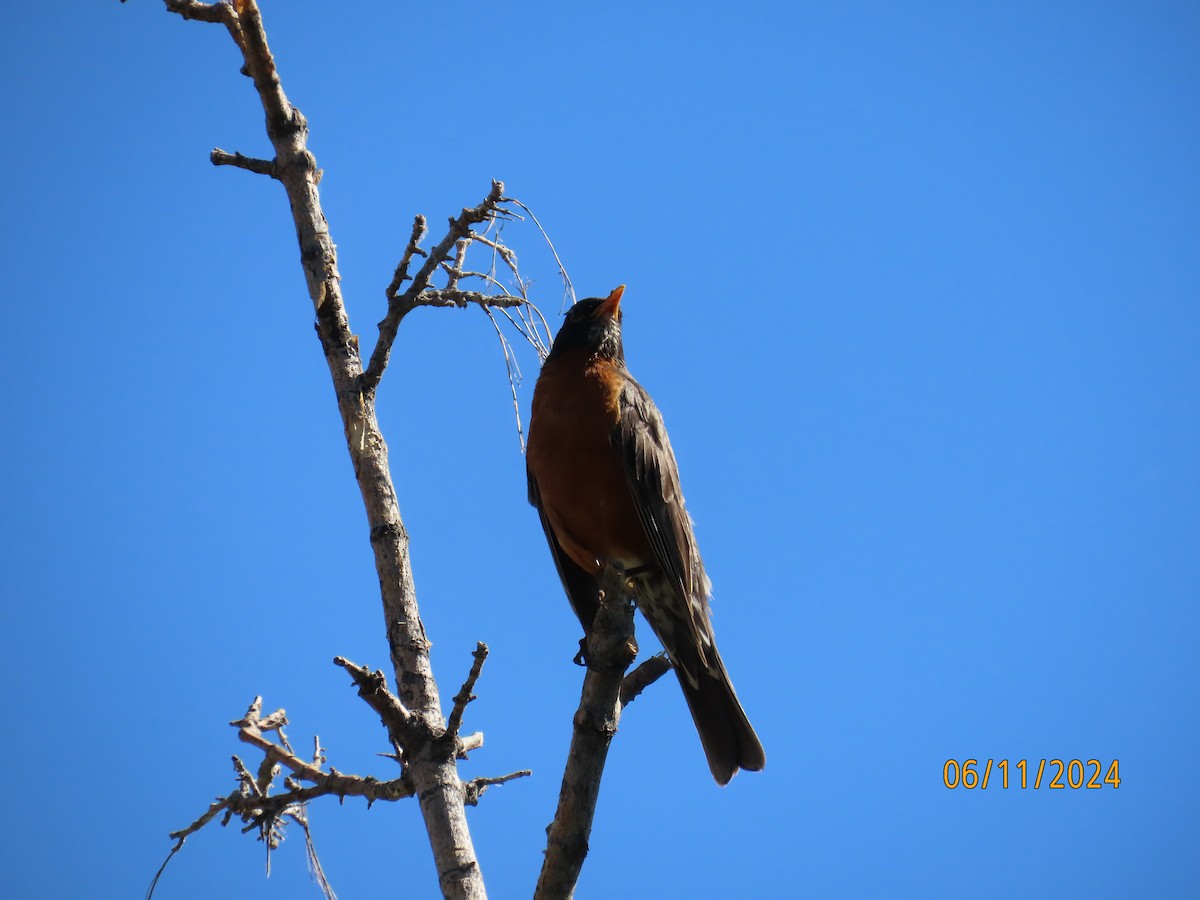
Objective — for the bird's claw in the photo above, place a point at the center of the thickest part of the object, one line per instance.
(581, 658)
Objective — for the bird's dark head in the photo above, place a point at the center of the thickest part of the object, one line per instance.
(593, 325)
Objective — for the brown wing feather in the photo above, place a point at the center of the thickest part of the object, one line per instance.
(677, 595)
(653, 477)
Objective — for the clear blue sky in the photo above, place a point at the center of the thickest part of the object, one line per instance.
(917, 288)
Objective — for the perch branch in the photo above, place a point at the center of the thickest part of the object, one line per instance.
(611, 649)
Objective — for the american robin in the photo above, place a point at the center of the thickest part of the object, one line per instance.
(606, 485)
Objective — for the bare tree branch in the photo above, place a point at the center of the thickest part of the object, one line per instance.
(455, 269)
(403, 728)
(461, 299)
(610, 649)
(464, 696)
(424, 743)
(430, 769)
(419, 230)
(252, 730)
(469, 743)
(476, 786)
(648, 672)
(202, 12)
(252, 800)
(401, 305)
(261, 166)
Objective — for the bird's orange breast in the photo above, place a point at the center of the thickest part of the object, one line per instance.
(579, 473)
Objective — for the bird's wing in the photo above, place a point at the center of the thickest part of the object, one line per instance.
(580, 586)
(653, 477)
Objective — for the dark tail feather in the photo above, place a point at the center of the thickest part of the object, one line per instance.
(728, 738)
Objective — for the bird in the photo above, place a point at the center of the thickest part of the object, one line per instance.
(605, 482)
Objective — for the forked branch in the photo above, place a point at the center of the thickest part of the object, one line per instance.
(448, 255)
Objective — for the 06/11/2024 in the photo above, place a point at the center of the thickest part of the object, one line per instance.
(1055, 774)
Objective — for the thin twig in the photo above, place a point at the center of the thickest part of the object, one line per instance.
(506, 253)
(528, 329)
(475, 787)
(485, 277)
(568, 287)
(465, 695)
(514, 374)
(217, 806)
(178, 846)
(419, 230)
(314, 861)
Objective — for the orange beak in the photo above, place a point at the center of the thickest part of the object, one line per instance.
(610, 304)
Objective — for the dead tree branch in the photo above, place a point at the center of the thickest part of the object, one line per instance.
(464, 696)
(449, 258)
(476, 786)
(419, 230)
(610, 650)
(461, 299)
(401, 304)
(430, 764)
(259, 166)
(253, 729)
(424, 743)
(267, 813)
(403, 727)
(202, 12)
(648, 672)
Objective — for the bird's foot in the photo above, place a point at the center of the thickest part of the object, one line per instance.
(581, 658)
